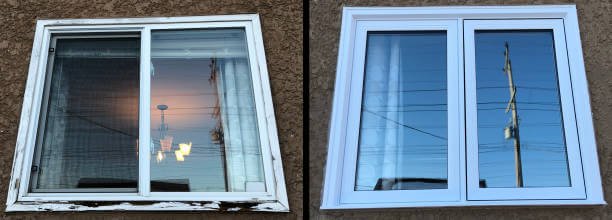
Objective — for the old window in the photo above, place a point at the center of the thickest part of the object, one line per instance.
(453, 106)
(173, 109)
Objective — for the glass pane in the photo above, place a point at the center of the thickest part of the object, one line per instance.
(403, 131)
(203, 118)
(520, 137)
(88, 130)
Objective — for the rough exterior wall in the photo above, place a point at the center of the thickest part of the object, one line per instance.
(595, 27)
(282, 33)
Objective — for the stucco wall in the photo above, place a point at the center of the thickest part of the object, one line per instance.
(595, 19)
(282, 33)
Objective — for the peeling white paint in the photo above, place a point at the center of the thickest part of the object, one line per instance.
(271, 207)
(128, 206)
(161, 206)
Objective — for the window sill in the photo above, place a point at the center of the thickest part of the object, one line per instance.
(542, 203)
(64, 206)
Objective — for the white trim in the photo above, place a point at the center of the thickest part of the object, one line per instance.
(144, 113)
(582, 109)
(153, 196)
(552, 203)
(273, 199)
(270, 120)
(35, 107)
(43, 116)
(348, 47)
(149, 20)
(28, 101)
(461, 98)
(260, 112)
(261, 206)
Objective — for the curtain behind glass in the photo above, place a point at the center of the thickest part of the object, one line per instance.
(403, 130)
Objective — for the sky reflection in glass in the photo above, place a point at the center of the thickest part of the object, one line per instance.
(540, 123)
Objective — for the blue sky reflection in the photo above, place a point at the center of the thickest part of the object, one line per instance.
(542, 141)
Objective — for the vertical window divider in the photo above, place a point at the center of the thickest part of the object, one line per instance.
(461, 99)
(144, 120)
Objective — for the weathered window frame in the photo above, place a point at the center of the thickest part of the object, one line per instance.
(274, 199)
(339, 151)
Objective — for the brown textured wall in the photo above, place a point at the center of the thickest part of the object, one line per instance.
(595, 18)
(282, 32)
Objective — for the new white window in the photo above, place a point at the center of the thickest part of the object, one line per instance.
(461, 106)
(173, 113)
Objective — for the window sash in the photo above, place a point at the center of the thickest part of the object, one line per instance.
(348, 192)
(576, 190)
(274, 180)
(43, 116)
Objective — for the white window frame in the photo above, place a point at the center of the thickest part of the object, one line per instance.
(349, 194)
(274, 199)
(576, 190)
(342, 138)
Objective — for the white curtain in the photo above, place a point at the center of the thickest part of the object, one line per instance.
(380, 129)
(239, 120)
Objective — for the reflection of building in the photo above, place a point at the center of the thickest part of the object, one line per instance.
(410, 183)
(415, 183)
(216, 134)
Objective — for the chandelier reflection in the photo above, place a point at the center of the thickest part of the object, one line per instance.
(166, 141)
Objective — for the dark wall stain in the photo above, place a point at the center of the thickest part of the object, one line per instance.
(595, 20)
(282, 33)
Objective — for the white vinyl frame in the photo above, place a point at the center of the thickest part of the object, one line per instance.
(274, 199)
(340, 158)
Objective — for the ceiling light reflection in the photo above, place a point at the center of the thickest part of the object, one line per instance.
(185, 148)
(179, 155)
(160, 156)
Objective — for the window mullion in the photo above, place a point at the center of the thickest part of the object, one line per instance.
(144, 177)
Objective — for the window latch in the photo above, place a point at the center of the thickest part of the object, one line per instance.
(34, 169)
(51, 49)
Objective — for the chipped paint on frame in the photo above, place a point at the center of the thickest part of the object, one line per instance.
(274, 200)
(270, 206)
